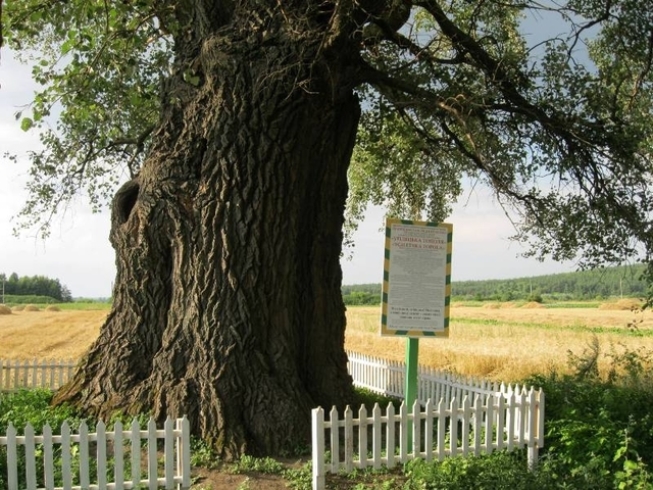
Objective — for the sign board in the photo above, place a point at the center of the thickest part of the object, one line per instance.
(416, 279)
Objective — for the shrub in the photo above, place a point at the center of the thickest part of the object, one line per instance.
(599, 430)
(29, 298)
(535, 298)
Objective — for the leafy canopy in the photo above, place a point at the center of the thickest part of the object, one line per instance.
(559, 128)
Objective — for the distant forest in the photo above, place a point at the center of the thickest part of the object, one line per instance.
(582, 285)
(34, 286)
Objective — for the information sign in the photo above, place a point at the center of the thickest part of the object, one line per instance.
(416, 279)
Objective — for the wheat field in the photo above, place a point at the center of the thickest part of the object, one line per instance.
(504, 344)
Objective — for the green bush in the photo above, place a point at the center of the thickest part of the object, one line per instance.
(498, 471)
(599, 429)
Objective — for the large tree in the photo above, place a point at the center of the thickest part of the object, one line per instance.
(235, 122)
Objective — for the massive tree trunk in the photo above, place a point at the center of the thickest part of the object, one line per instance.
(227, 304)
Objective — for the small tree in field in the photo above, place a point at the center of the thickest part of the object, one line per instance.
(236, 121)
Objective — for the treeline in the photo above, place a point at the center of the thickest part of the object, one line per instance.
(35, 286)
(362, 294)
(581, 285)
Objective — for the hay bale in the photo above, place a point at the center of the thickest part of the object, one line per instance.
(622, 305)
(18, 308)
(5, 310)
(492, 306)
(52, 308)
(508, 305)
(32, 308)
(532, 305)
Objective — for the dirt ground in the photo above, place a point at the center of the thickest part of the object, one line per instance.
(223, 480)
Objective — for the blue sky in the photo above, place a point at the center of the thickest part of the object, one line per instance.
(79, 255)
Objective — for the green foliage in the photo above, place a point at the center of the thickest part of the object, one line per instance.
(203, 454)
(33, 406)
(299, 478)
(360, 298)
(498, 471)
(11, 299)
(599, 429)
(370, 398)
(259, 465)
(105, 93)
(579, 285)
(564, 287)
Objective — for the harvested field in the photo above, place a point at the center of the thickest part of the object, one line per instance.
(48, 335)
(498, 343)
(507, 344)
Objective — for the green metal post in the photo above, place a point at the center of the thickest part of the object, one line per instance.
(412, 352)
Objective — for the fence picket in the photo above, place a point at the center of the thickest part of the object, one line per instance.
(118, 455)
(151, 455)
(101, 465)
(428, 430)
(362, 436)
(335, 439)
(317, 421)
(48, 458)
(349, 439)
(390, 436)
(466, 417)
(135, 440)
(376, 436)
(83, 455)
(488, 424)
(478, 418)
(442, 429)
(12, 458)
(66, 471)
(417, 425)
(453, 427)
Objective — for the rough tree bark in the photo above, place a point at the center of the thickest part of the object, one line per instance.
(227, 304)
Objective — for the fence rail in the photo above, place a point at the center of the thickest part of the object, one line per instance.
(34, 374)
(87, 459)
(438, 430)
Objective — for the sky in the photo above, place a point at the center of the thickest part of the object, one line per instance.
(78, 252)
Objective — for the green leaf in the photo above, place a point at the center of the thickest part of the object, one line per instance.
(26, 124)
(189, 77)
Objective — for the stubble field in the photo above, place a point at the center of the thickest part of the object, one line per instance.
(504, 344)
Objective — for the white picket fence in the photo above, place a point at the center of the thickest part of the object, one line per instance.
(34, 374)
(84, 454)
(440, 429)
(388, 378)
